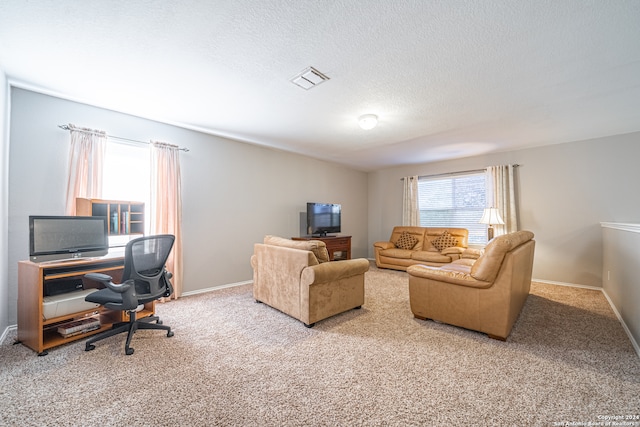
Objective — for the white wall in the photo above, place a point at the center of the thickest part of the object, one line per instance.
(4, 179)
(621, 281)
(233, 193)
(565, 191)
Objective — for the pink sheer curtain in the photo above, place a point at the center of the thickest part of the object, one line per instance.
(166, 204)
(86, 159)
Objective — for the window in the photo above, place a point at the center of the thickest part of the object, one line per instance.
(127, 176)
(454, 201)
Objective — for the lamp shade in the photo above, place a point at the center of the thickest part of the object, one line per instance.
(491, 216)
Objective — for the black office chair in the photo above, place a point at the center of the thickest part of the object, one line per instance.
(144, 279)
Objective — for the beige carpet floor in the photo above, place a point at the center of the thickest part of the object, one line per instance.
(233, 362)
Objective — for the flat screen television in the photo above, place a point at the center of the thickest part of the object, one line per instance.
(323, 218)
(67, 237)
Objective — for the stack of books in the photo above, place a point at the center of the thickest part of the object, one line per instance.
(80, 326)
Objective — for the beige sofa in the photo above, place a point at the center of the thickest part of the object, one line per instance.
(431, 247)
(297, 278)
(485, 295)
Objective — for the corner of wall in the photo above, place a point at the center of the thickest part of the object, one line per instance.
(4, 198)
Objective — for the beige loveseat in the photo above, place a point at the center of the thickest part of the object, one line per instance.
(297, 278)
(485, 295)
(430, 246)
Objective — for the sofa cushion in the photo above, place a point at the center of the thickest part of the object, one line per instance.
(318, 247)
(397, 253)
(406, 241)
(430, 256)
(446, 240)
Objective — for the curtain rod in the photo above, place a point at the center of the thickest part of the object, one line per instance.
(66, 127)
(455, 173)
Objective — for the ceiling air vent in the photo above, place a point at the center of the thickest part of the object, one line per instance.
(309, 78)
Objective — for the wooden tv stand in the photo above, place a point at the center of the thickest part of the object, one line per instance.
(340, 244)
(40, 334)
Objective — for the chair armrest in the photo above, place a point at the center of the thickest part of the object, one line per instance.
(334, 270)
(447, 276)
(384, 245)
(106, 280)
(99, 277)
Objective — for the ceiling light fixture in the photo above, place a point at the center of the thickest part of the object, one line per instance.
(368, 121)
(309, 78)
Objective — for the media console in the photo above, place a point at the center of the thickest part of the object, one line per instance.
(40, 333)
(339, 247)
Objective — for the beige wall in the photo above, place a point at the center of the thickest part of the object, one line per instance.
(565, 191)
(233, 193)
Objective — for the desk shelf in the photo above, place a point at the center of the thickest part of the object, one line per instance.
(125, 217)
(41, 334)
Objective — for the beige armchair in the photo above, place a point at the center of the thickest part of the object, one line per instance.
(297, 278)
(484, 295)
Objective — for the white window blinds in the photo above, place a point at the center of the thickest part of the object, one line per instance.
(454, 201)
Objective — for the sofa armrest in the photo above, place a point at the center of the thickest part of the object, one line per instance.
(453, 250)
(447, 276)
(384, 245)
(334, 270)
(472, 253)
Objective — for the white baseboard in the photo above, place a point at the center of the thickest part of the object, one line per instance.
(571, 285)
(215, 288)
(634, 343)
(6, 332)
(624, 325)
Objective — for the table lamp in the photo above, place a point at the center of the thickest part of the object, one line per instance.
(491, 216)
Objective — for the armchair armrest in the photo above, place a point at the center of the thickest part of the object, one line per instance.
(447, 276)
(384, 245)
(334, 270)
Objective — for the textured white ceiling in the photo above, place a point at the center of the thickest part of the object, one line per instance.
(447, 79)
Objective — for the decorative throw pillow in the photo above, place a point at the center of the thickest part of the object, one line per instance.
(445, 240)
(320, 251)
(406, 241)
(318, 247)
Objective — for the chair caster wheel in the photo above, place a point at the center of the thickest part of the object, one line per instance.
(169, 334)
(128, 351)
(89, 347)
